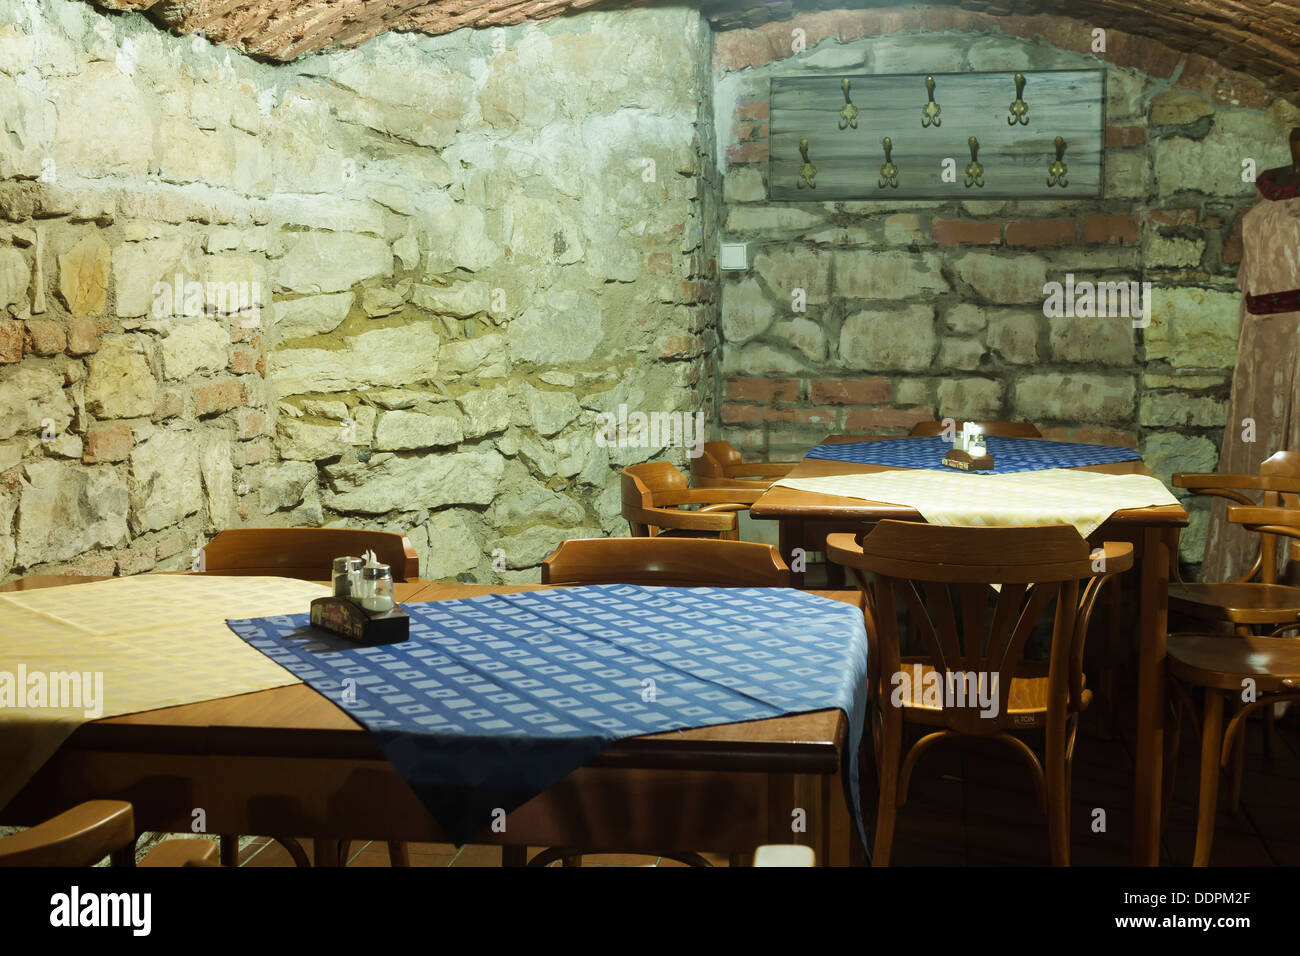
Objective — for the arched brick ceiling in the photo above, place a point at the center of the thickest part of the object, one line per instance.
(1257, 37)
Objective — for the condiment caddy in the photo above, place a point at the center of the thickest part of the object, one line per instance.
(968, 452)
(361, 607)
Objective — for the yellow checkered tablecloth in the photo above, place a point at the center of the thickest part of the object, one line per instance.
(148, 641)
(1084, 499)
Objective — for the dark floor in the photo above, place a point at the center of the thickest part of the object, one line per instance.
(972, 803)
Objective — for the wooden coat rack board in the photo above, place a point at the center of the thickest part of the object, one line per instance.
(1036, 134)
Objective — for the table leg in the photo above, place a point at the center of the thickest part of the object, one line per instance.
(1157, 545)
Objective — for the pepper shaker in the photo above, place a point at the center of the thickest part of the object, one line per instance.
(347, 577)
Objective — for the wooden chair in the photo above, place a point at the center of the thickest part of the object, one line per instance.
(720, 466)
(307, 554)
(1223, 666)
(93, 830)
(668, 562)
(996, 429)
(927, 565)
(304, 553)
(653, 496)
(663, 561)
(1254, 600)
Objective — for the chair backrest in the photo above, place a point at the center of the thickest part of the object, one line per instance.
(942, 574)
(1278, 484)
(676, 562)
(639, 485)
(81, 836)
(713, 461)
(305, 553)
(995, 429)
(1282, 464)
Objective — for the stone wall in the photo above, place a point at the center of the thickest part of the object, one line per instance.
(443, 257)
(917, 309)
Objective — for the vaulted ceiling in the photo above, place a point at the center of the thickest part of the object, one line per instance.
(1259, 37)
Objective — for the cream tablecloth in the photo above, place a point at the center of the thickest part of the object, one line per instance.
(157, 640)
(1054, 496)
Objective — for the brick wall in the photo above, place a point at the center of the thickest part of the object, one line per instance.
(915, 310)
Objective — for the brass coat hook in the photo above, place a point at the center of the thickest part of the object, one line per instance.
(1019, 108)
(930, 113)
(1056, 172)
(849, 114)
(888, 172)
(975, 170)
(809, 172)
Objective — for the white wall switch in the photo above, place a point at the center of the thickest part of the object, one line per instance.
(733, 256)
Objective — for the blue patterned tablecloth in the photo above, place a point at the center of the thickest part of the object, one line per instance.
(496, 697)
(1009, 454)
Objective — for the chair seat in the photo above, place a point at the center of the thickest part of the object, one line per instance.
(1238, 603)
(1212, 660)
(1027, 701)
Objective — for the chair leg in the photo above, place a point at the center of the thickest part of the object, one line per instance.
(329, 853)
(1109, 652)
(1238, 768)
(1058, 794)
(514, 856)
(1270, 732)
(294, 849)
(891, 745)
(398, 855)
(1208, 797)
(1173, 740)
(229, 850)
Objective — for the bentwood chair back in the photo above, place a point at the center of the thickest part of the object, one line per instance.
(971, 680)
(1255, 599)
(653, 496)
(666, 562)
(93, 830)
(305, 553)
(720, 466)
(995, 429)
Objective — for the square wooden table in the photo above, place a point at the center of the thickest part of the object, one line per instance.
(287, 762)
(805, 516)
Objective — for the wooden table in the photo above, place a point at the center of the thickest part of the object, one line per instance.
(288, 762)
(1153, 532)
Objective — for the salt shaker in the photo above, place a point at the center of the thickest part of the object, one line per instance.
(377, 588)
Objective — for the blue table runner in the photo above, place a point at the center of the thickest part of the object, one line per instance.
(496, 697)
(1009, 454)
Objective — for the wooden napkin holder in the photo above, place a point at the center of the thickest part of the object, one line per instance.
(349, 619)
(963, 461)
